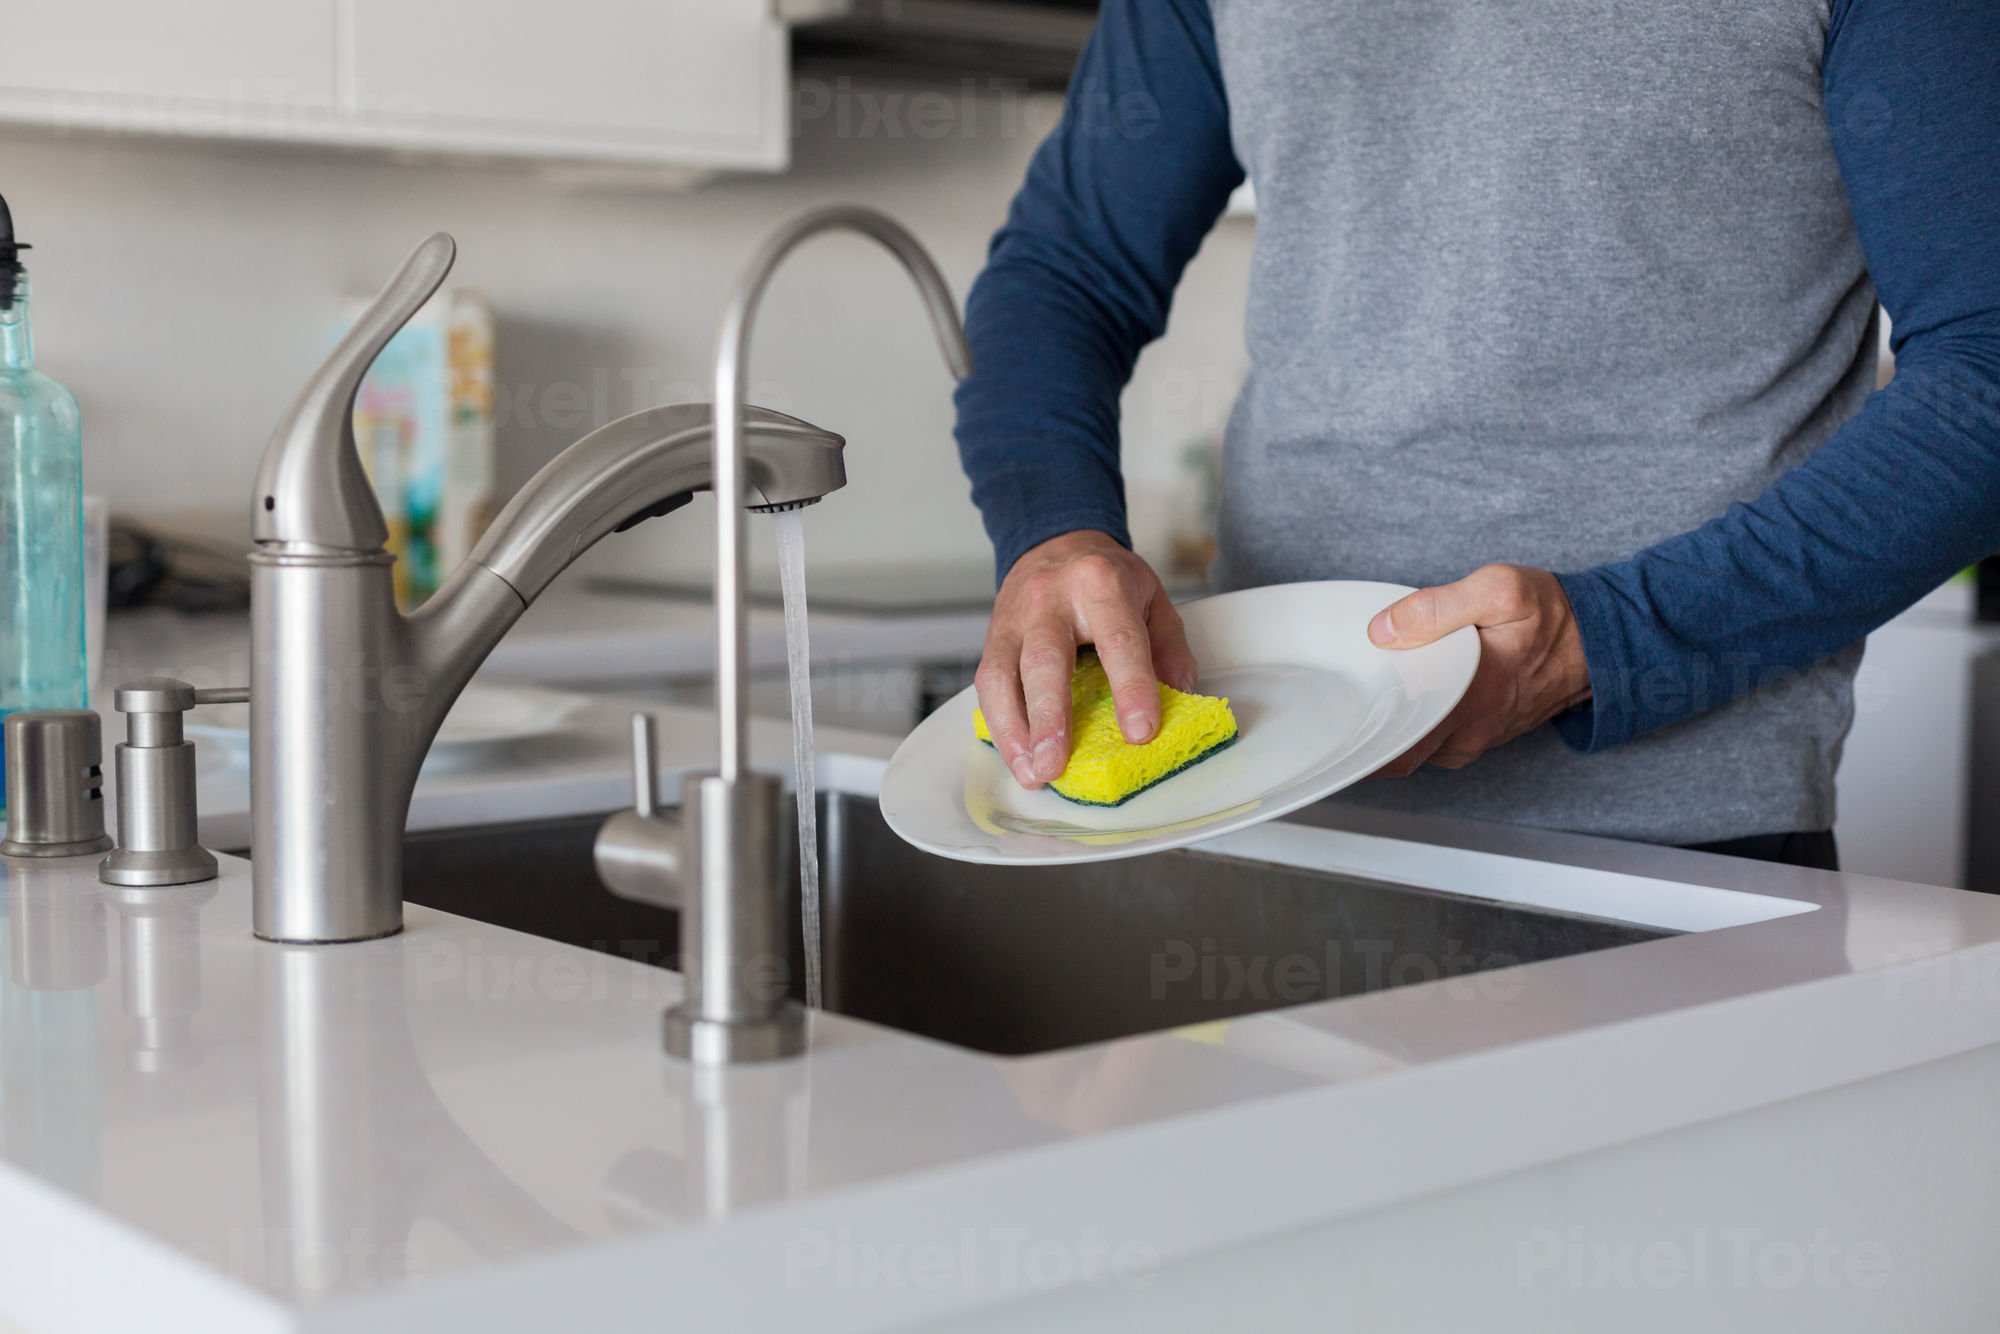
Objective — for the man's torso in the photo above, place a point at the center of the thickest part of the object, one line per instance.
(1545, 283)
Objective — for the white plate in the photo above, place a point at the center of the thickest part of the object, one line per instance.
(484, 718)
(1318, 707)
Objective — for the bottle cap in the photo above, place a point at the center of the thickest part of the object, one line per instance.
(10, 257)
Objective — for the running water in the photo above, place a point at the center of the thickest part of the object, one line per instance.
(791, 533)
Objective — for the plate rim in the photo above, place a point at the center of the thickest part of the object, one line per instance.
(1144, 845)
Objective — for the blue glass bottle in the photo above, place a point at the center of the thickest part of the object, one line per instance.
(41, 515)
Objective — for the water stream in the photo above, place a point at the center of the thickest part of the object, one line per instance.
(798, 662)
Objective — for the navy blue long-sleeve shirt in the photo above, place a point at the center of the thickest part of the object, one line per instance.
(1905, 493)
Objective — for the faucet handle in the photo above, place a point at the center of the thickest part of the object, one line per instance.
(311, 487)
(638, 852)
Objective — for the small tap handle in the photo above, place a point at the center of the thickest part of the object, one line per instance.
(638, 852)
(645, 770)
(311, 486)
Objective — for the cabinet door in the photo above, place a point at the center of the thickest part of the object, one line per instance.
(203, 66)
(683, 81)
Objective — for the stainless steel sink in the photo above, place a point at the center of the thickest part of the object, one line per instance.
(1015, 961)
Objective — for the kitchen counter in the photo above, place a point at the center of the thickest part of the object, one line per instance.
(465, 1127)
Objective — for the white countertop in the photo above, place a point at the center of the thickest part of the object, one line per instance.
(464, 1127)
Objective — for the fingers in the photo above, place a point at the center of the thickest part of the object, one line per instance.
(998, 682)
(1048, 658)
(1077, 588)
(1418, 755)
(1444, 739)
(1173, 660)
(1423, 616)
(1532, 664)
(1125, 648)
(1490, 595)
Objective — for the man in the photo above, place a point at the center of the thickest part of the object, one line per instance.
(1564, 311)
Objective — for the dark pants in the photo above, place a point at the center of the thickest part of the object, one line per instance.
(1813, 849)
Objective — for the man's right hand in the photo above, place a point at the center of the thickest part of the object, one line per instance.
(1080, 588)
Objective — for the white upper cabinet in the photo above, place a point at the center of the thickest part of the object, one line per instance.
(153, 66)
(688, 81)
(696, 84)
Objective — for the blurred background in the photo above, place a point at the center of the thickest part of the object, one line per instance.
(201, 219)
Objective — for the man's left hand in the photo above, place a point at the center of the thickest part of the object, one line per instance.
(1531, 663)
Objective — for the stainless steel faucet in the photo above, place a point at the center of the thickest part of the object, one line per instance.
(346, 693)
(719, 862)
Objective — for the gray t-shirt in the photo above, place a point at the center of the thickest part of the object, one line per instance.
(1473, 340)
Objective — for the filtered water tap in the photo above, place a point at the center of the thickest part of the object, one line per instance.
(721, 861)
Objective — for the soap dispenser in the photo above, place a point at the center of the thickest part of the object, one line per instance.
(41, 514)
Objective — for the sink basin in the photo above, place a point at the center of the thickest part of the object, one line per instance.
(1019, 960)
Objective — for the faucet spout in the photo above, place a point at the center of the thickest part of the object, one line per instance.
(732, 355)
(640, 466)
(636, 468)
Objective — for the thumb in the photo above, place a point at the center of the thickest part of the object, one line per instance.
(1425, 615)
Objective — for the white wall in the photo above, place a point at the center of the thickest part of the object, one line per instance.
(1905, 770)
(184, 290)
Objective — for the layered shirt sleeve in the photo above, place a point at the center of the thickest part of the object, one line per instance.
(1908, 491)
(1079, 280)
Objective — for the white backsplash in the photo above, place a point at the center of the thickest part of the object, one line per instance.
(184, 290)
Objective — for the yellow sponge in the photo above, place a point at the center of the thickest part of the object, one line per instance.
(1106, 770)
